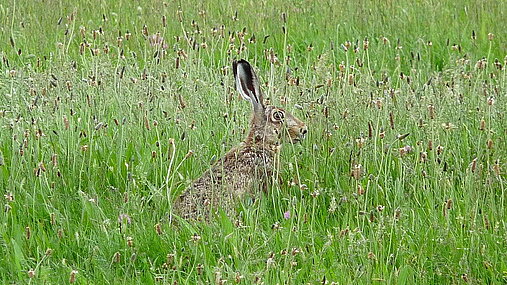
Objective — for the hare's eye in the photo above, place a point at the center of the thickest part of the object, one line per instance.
(278, 115)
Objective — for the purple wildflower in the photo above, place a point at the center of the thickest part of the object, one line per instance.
(123, 217)
(156, 40)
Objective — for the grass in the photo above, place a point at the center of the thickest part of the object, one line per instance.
(101, 130)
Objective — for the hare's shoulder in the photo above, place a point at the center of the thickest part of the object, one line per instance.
(248, 157)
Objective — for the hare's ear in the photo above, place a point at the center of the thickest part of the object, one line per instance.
(248, 84)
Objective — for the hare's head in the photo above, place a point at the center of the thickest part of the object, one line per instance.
(269, 123)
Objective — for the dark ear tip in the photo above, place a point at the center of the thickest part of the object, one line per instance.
(242, 61)
(235, 67)
(235, 64)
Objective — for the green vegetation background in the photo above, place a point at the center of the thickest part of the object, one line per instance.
(93, 92)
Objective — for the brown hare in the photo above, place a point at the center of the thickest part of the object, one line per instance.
(247, 168)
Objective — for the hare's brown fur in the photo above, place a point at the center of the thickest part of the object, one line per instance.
(246, 169)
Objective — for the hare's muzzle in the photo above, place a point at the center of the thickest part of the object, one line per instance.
(303, 131)
(297, 133)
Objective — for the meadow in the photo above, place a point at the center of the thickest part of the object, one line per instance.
(109, 110)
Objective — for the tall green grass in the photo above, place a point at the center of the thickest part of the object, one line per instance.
(99, 131)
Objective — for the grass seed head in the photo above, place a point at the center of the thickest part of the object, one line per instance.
(196, 237)
(431, 111)
(366, 44)
(423, 156)
(9, 197)
(345, 114)
(360, 190)
(170, 258)
(130, 241)
(158, 229)
(473, 165)
(360, 142)
(147, 123)
(372, 216)
(270, 262)
(402, 136)
(28, 233)
(397, 213)
(491, 100)
(117, 257)
(238, 277)
(487, 224)
(31, 273)
(189, 154)
(405, 150)
(481, 63)
(347, 45)
(341, 67)
(82, 31)
(482, 125)
(440, 150)
(200, 269)
(72, 277)
(351, 79)
(357, 171)
(448, 204)
(448, 126)
(497, 64)
(179, 15)
(315, 193)
(430, 145)
(218, 277)
(489, 144)
(496, 168)
(378, 103)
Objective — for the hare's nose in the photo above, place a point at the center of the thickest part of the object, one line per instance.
(303, 131)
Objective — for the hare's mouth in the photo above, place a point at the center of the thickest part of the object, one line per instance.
(297, 139)
(297, 134)
(301, 134)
